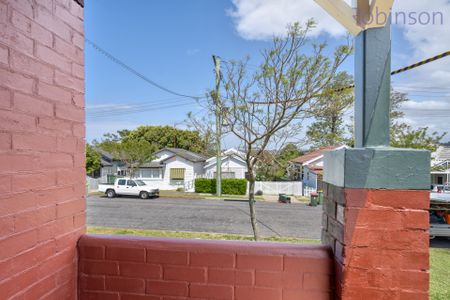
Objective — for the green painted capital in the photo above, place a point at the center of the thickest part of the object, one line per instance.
(378, 168)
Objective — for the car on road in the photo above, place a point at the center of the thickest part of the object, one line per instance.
(128, 187)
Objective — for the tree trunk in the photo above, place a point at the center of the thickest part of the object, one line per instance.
(251, 202)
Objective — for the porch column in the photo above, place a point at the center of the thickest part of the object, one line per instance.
(376, 221)
(376, 197)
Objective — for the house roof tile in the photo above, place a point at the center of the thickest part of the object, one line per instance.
(314, 154)
(188, 155)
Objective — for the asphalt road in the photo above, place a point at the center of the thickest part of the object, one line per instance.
(201, 215)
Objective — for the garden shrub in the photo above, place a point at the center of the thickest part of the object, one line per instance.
(204, 185)
(230, 186)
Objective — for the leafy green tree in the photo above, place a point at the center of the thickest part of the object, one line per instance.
(93, 159)
(275, 166)
(329, 127)
(168, 136)
(403, 135)
(130, 151)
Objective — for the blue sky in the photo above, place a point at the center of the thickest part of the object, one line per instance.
(171, 42)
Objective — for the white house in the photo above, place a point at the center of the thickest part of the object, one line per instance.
(173, 168)
(309, 167)
(176, 168)
(233, 166)
(440, 174)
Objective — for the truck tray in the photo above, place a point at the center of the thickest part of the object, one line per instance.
(442, 230)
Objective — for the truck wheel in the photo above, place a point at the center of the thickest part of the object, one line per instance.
(143, 195)
(110, 193)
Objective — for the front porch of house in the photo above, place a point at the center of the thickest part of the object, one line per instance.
(373, 248)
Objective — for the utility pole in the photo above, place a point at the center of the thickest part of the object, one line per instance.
(218, 111)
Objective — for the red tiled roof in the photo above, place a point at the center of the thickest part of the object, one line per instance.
(314, 154)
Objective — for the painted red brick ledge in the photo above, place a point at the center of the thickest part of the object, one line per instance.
(112, 267)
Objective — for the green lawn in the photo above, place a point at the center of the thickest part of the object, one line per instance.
(192, 235)
(440, 274)
(439, 258)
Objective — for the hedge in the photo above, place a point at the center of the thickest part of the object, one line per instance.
(230, 186)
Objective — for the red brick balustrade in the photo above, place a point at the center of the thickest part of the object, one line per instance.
(379, 237)
(380, 242)
(42, 184)
(129, 268)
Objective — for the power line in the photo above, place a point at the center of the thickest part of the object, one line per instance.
(136, 73)
(429, 96)
(398, 71)
(423, 89)
(133, 105)
(404, 90)
(138, 110)
(155, 108)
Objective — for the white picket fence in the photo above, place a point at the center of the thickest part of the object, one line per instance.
(308, 190)
(274, 187)
(92, 183)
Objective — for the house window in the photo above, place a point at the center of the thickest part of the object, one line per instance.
(122, 173)
(151, 173)
(440, 180)
(177, 173)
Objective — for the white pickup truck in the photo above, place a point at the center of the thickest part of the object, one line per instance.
(128, 187)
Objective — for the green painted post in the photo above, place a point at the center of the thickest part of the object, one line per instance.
(372, 87)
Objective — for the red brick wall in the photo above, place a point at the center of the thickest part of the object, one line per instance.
(380, 241)
(42, 191)
(131, 268)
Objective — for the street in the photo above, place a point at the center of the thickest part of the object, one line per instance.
(204, 215)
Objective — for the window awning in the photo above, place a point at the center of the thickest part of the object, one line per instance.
(177, 173)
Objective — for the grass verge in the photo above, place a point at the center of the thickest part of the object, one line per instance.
(439, 274)
(193, 235)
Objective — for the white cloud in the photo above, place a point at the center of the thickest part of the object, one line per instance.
(428, 40)
(434, 114)
(262, 19)
(431, 105)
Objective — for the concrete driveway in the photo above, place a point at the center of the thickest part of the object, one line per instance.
(201, 215)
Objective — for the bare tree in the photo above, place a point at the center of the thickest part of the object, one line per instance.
(205, 126)
(266, 108)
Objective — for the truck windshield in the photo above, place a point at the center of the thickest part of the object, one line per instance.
(140, 182)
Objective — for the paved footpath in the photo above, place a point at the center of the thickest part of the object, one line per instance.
(201, 215)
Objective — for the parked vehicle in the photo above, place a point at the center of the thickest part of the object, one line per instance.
(440, 215)
(128, 187)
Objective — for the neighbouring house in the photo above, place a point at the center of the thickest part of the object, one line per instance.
(110, 168)
(175, 168)
(233, 166)
(308, 168)
(440, 168)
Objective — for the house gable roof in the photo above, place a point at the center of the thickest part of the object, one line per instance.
(188, 155)
(230, 153)
(442, 153)
(315, 155)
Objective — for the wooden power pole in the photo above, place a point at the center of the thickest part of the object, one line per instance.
(218, 111)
